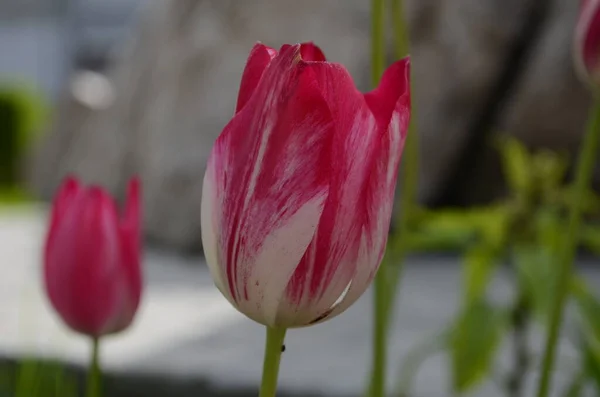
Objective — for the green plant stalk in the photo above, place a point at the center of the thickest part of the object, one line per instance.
(585, 167)
(378, 370)
(410, 164)
(388, 277)
(273, 350)
(377, 40)
(94, 375)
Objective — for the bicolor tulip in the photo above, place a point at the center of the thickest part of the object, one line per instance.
(298, 191)
(92, 258)
(587, 42)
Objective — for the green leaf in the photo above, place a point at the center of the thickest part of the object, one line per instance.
(440, 230)
(590, 202)
(549, 230)
(536, 272)
(478, 268)
(494, 224)
(549, 169)
(517, 165)
(457, 229)
(474, 341)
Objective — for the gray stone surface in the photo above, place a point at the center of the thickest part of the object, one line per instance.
(186, 329)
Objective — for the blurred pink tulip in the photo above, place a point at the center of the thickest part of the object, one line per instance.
(587, 41)
(92, 258)
(299, 187)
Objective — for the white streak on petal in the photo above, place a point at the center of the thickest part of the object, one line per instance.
(277, 260)
(374, 239)
(210, 221)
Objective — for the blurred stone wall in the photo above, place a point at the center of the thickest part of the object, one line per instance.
(175, 83)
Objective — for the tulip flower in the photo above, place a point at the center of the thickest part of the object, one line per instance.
(92, 258)
(298, 191)
(587, 41)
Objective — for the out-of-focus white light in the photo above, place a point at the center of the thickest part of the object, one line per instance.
(92, 89)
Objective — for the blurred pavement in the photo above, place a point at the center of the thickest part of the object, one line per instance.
(185, 328)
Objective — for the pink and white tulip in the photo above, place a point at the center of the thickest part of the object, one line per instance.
(587, 42)
(298, 192)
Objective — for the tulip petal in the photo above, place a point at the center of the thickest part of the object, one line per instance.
(265, 186)
(131, 248)
(331, 260)
(258, 60)
(587, 40)
(311, 52)
(392, 95)
(67, 192)
(381, 185)
(210, 228)
(82, 263)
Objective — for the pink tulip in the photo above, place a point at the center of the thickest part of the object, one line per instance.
(587, 41)
(299, 187)
(92, 258)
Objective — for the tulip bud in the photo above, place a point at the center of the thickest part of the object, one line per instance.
(92, 258)
(587, 42)
(299, 186)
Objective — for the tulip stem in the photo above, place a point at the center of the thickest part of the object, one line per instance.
(585, 166)
(94, 374)
(273, 350)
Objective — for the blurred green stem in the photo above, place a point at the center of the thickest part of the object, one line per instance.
(387, 280)
(377, 40)
(410, 164)
(94, 375)
(273, 350)
(378, 374)
(585, 167)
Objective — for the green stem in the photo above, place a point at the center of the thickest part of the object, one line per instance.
(94, 375)
(400, 31)
(378, 374)
(387, 280)
(410, 162)
(377, 40)
(585, 167)
(273, 349)
(377, 386)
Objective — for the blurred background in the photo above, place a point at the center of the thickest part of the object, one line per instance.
(110, 88)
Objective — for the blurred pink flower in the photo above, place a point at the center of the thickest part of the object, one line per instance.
(587, 41)
(299, 187)
(92, 258)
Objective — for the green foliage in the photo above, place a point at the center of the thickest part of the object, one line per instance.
(473, 343)
(22, 114)
(32, 112)
(590, 238)
(527, 229)
(478, 268)
(458, 229)
(517, 167)
(31, 378)
(536, 275)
